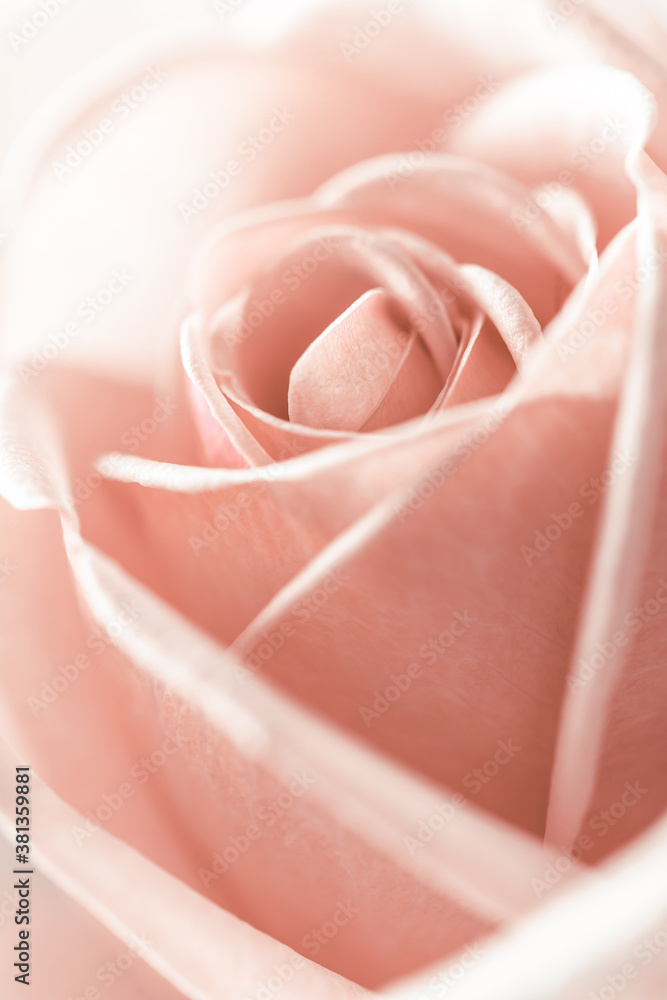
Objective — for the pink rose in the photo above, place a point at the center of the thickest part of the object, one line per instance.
(334, 556)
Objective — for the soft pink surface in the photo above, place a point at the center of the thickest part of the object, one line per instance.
(309, 447)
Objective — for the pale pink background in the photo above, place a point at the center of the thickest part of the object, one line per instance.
(84, 30)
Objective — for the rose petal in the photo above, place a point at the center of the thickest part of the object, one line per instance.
(288, 511)
(309, 300)
(76, 952)
(484, 369)
(226, 439)
(357, 790)
(70, 233)
(612, 731)
(506, 309)
(153, 914)
(360, 261)
(356, 787)
(585, 937)
(482, 686)
(363, 372)
(167, 652)
(572, 128)
(498, 345)
(472, 212)
(296, 518)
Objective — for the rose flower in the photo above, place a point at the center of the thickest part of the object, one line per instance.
(334, 513)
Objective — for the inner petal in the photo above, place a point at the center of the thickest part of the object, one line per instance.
(485, 368)
(313, 283)
(365, 371)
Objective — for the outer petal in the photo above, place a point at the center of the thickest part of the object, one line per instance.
(71, 951)
(571, 127)
(193, 763)
(367, 507)
(197, 949)
(604, 932)
(132, 204)
(613, 721)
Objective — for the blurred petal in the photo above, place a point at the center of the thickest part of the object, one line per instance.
(612, 730)
(155, 915)
(572, 127)
(255, 729)
(137, 203)
(585, 939)
(72, 952)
